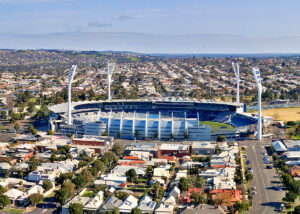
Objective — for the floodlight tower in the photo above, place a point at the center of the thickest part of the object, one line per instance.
(110, 70)
(257, 77)
(236, 69)
(72, 74)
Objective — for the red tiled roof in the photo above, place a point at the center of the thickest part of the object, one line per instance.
(131, 158)
(169, 158)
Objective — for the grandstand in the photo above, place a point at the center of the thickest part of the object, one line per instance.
(160, 119)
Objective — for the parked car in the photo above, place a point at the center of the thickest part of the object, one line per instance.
(248, 162)
(254, 192)
(246, 156)
(249, 168)
(269, 167)
(253, 188)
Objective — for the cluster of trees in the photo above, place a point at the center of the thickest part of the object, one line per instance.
(292, 186)
(62, 154)
(4, 200)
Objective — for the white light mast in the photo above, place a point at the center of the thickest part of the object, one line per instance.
(236, 69)
(72, 74)
(110, 70)
(257, 77)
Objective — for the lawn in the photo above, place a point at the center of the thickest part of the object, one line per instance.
(216, 125)
(285, 114)
(88, 194)
(12, 210)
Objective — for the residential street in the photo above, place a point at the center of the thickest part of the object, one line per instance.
(268, 199)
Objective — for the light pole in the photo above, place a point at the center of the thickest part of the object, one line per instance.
(110, 70)
(236, 69)
(257, 77)
(72, 74)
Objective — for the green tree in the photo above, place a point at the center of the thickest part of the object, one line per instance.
(297, 210)
(3, 115)
(33, 164)
(76, 208)
(79, 181)
(50, 132)
(118, 148)
(47, 185)
(131, 174)
(136, 211)
(35, 198)
(17, 127)
(221, 138)
(183, 184)
(2, 189)
(197, 197)
(116, 210)
(99, 165)
(61, 196)
(4, 201)
(65, 149)
(69, 187)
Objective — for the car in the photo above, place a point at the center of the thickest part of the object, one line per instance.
(248, 162)
(265, 154)
(246, 156)
(253, 187)
(269, 167)
(249, 168)
(254, 192)
(251, 172)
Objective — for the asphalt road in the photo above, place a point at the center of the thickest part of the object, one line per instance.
(268, 199)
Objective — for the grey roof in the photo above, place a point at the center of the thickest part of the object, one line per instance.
(111, 204)
(205, 209)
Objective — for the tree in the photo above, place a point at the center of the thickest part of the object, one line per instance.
(118, 148)
(3, 115)
(50, 132)
(75, 208)
(297, 209)
(99, 165)
(69, 187)
(47, 185)
(131, 174)
(79, 181)
(2, 189)
(116, 210)
(221, 138)
(35, 198)
(17, 127)
(183, 184)
(290, 197)
(65, 149)
(87, 175)
(136, 211)
(4, 201)
(33, 164)
(197, 197)
(200, 182)
(61, 196)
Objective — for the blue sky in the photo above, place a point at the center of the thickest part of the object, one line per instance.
(254, 18)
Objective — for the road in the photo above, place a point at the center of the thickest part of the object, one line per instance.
(267, 200)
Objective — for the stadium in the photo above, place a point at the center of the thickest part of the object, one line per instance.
(163, 119)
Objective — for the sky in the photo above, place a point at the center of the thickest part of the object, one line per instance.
(258, 18)
(246, 18)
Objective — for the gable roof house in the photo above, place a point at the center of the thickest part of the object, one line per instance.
(128, 204)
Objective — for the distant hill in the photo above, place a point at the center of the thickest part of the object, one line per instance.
(151, 43)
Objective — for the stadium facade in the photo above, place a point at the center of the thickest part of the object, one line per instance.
(156, 119)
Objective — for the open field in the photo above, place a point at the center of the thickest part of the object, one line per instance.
(285, 114)
(216, 125)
